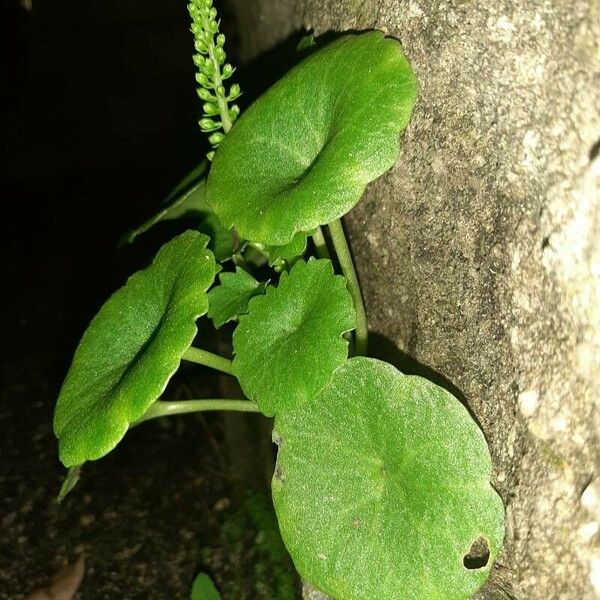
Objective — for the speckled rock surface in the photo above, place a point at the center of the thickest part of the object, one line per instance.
(486, 242)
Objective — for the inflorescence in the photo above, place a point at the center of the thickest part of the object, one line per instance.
(210, 59)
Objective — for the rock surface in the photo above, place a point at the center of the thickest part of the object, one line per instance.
(486, 241)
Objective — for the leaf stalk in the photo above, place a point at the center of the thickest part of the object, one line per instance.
(320, 243)
(208, 359)
(342, 250)
(164, 408)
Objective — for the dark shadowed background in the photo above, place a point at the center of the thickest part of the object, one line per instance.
(98, 122)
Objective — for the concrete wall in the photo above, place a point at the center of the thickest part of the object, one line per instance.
(485, 240)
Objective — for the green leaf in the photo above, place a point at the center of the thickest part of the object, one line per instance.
(251, 255)
(188, 201)
(191, 178)
(307, 42)
(290, 342)
(288, 254)
(204, 588)
(131, 349)
(70, 481)
(229, 300)
(382, 486)
(188, 196)
(223, 242)
(302, 154)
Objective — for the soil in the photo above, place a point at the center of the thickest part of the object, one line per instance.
(167, 502)
(141, 516)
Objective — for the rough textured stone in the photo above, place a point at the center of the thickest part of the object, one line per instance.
(485, 240)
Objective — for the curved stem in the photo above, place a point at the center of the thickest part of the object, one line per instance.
(345, 258)
(162, 408)
(320, 243)
(208, 359)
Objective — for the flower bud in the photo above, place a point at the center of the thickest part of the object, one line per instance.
(201, 47)
(208, 68)
(203, 80)
(208, 124)
(220, 55)
(216, 138)
(227, 71)
(234, 92)
(206, 95)
(210, 108)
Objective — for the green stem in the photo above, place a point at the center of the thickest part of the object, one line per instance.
(345, 258)
(208, 359)
(162, 408)
(320, 243)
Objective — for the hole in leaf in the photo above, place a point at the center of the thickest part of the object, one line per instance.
(594, 151)
(278, 474)
(478, 555)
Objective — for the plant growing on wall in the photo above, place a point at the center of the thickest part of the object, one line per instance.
(382, 483)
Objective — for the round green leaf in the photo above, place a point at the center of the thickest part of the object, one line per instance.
(228, 300)
(302, 154)
(290, 342)
(131, 349)
(382, 487)
(281, 256)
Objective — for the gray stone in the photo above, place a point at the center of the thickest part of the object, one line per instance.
(479, 253)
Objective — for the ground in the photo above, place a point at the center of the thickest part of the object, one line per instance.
(168, 502)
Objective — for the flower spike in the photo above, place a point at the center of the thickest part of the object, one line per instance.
(213, 70)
